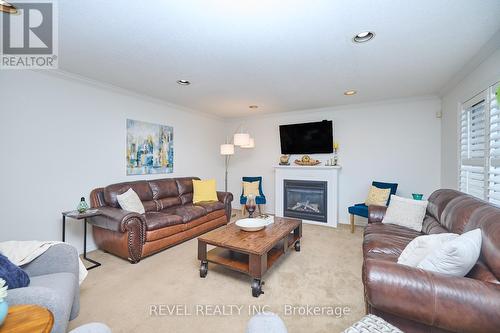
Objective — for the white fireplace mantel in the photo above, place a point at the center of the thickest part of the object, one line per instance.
(330, 174)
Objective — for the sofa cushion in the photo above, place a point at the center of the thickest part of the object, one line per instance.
(487, 219)
(458, 211)
(386, 246)
(455, 257)
(130, 201)
(386, 241)
(158, 220)
(140, 187)
(210, 206)
(187, 212)
(185, 188)
(406, 212)
(421, 246)
(13, 275)
(164, 203)
(432, 226)
(438, 201)
(164, 188)
(392, 230)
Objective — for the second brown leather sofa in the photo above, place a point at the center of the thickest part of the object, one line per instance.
(415, 300)
(170, 218)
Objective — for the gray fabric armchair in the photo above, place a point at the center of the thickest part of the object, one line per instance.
(54, 285)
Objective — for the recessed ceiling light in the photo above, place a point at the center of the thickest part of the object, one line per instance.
(7, 7)
(253, 106)
(183, 82)
(350, 92)
(363, 37)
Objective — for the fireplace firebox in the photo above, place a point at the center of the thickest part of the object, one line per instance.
(305, 199)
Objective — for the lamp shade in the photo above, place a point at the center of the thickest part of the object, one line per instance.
(251, 144)
(241, 139)
(227, 149)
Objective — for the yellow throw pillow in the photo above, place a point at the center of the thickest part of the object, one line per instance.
(251, 188)
(204, 190)
(378, 196)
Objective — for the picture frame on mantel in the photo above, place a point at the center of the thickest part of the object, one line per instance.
(150, 148)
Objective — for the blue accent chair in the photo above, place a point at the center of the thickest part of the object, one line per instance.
(259, 200)
(362, 210)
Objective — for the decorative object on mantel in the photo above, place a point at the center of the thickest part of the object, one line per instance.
(307, 161)
(285, 159)
(241, 139)
(334, 160)
(82, 206)
(150, 148)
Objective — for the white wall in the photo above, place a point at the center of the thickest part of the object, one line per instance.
(393, 141)
(62, 137)
(485, 75)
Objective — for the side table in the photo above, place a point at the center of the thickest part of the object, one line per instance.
(81, 216)
(27, 318)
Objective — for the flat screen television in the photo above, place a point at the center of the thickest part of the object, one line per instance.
(307, 138)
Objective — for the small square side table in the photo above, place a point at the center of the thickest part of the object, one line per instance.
(81, 216)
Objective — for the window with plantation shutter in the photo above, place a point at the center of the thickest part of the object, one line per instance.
(480, 146)
(473, 148)
(494, 162)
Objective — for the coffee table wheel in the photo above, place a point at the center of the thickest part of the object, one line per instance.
(297, 246)
(257, 287)
(203, 269)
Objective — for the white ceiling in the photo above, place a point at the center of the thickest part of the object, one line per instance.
(281, 55)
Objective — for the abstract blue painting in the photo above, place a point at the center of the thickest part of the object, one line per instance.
(150, 148)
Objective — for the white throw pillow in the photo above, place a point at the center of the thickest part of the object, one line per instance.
(421, 246)
(130, 201)
(406, 212)
(456, 257)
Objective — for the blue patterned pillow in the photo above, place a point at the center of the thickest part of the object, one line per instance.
(13, 275)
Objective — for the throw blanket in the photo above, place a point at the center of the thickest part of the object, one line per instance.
(23, 252)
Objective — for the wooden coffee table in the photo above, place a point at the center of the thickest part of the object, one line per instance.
(252, 253)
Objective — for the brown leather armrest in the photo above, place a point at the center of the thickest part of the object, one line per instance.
(115, 219)
(226, 198)
(376, 213)
(452, 303)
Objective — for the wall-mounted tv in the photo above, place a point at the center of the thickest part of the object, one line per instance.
(307, 138)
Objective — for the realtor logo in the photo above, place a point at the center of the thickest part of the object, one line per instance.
(29, 38)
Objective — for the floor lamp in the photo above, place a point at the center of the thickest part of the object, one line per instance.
(240, 139)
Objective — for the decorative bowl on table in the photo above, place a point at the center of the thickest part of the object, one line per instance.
(254, 224)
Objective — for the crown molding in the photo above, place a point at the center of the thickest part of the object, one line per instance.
(343, 107)
(58, 73)
(491, 46)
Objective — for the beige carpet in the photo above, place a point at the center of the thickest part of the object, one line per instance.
(327, 272)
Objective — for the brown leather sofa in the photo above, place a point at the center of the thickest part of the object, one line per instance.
(170, 218)
(420, 301)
